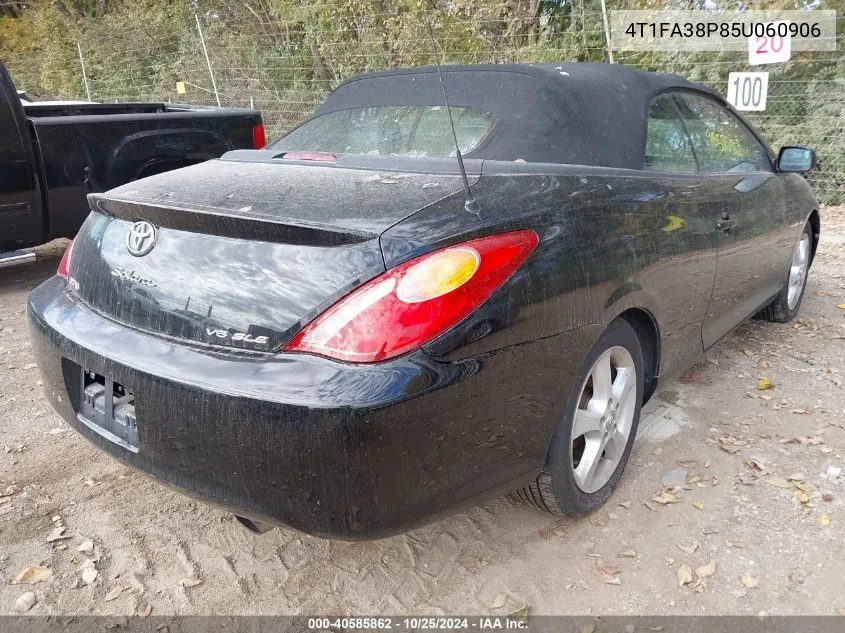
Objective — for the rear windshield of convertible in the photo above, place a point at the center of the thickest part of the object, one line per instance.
(415, 131)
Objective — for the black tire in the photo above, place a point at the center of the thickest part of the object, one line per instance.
(555, 489)
(778, 311)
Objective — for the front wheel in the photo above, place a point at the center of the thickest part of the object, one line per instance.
(784, 307)
(594, 436)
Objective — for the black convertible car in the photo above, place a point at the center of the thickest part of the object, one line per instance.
(339, 333)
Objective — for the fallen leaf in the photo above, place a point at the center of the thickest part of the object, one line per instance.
(625, 504)
(841, 306)
(520, 614)
(666, 497)
(89, 572)
(806, 486)
(612, 580)
(801, 496)
(628, 553)
(764, 384)
(57, 534)
(755, 464)
(748, 581)
(609, 568)
(32, 575)
(145, 609)
(689, 548)
(747, 352)
(705, 571)
(698, 505)
(684, 574)
(796, 477)
(498, 601)
(700, 585)
(114, 593)
(779, 482)
(827, 497)
(25, 601)
(824, 520)
(650, 506)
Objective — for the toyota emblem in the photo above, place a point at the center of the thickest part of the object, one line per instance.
(141, 238)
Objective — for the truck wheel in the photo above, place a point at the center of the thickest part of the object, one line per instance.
(593, 438)
(784, 307)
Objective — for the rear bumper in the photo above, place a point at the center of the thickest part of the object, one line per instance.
(339, 450)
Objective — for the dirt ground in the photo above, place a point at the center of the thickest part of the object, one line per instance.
(755, 525)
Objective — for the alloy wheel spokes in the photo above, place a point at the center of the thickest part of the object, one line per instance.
(798, 271)
(601, 379)
(586, 421)
(590, 460)
(602, 424)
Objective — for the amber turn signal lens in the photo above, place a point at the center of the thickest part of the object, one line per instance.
(438, 275)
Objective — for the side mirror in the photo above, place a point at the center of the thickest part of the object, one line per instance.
(796, 159)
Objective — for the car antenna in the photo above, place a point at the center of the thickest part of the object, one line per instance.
(470, 204)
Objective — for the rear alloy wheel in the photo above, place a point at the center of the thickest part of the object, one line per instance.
(784, 307)
(593, 439)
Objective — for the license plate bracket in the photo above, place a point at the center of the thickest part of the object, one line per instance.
(108, 408)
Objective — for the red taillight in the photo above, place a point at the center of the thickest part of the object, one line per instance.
(64, 264)
(410, 305)
(258, 138)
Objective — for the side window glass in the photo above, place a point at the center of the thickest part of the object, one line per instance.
(721, 142)
(667, 146)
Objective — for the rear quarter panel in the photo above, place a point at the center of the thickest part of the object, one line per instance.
(610, 240)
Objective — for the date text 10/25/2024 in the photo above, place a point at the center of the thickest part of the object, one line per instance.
(483, 623)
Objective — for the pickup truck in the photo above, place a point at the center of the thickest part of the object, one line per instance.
(53, 154)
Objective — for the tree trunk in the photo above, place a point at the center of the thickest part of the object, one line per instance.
(318, 64)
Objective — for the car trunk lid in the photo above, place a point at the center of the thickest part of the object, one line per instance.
(242, 253)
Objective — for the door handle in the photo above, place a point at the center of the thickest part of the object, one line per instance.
(725, 223)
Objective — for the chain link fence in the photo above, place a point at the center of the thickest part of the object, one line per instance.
(284, 57)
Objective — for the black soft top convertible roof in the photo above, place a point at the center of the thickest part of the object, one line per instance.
(573, 113)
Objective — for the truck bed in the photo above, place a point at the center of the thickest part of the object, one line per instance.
(34, 109)
(52, 155)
